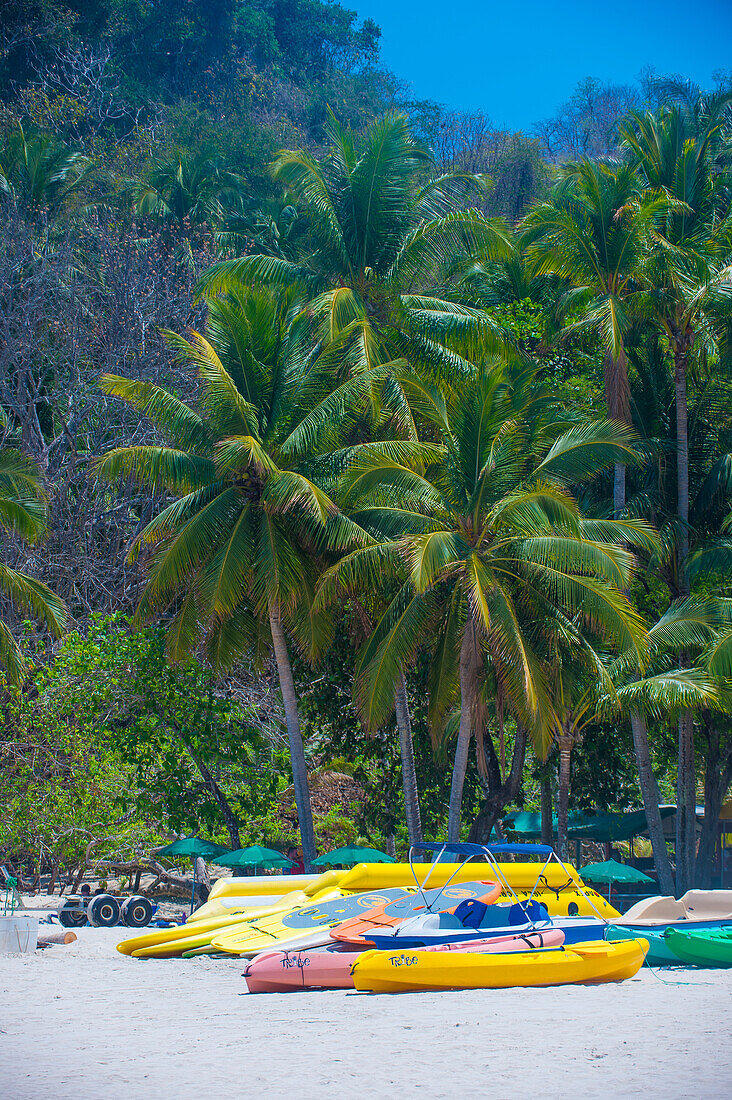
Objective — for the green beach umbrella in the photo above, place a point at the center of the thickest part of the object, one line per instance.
(351, 856)
(611, 871)
(193, 847)
(254, 856)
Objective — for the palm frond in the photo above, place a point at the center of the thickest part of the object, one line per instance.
(173, 417)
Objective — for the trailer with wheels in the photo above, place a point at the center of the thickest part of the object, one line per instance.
(106, 911)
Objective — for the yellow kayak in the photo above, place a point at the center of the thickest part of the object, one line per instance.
(237, 895)
(520, 876)
(558, 888)
(204, 938)
(181, 931)
(163, 936)
(410, 971)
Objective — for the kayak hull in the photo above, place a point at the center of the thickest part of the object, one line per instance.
(170, 942)
(405, 971)
(659, 952)
(163, 936)
(710, 948)
(286, 971)
(249, 895)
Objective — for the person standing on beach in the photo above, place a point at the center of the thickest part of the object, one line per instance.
(298, 867)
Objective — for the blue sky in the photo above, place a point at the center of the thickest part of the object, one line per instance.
(519, 61)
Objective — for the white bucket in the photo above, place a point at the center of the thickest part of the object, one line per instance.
(18, 934)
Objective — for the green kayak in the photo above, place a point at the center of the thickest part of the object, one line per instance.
(659, 953)
(710, 947)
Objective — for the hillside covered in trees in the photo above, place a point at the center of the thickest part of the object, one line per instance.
(365, 468)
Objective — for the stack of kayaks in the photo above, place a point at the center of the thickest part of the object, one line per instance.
(697, 913)
(233, 903)
(331, 967)
(414, 926)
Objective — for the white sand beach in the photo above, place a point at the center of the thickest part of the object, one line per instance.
(83, 1022)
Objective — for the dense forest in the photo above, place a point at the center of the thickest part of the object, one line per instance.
(365, 468)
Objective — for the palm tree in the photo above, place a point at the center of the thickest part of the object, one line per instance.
(576, 676)
(23, 512)
(490, 541)
(676, 151)
(586, 687)
(410, 785)
(688, 274)
(512, 277)
(41, 172)
(593, 233)
(377, 236)
(235, 551)
(183, 190)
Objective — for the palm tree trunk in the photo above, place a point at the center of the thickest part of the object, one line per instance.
(501, 793)
(467, 711)
(651, 800)
(685, 806)
(686, 791)
(617, 398)
(297, 751)
(565, 760)
(619, 490)
(547, 825)
(409, 773)
(682, 458)
(717, 778)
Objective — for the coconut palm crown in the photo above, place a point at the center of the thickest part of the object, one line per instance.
(381, 236)
(489, 542)
(593, 232)
(234, 552)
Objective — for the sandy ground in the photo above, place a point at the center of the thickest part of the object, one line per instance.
(83, 1022)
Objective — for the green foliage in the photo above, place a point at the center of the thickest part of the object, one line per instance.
(109, 741)
(348, 403)
(23, 512)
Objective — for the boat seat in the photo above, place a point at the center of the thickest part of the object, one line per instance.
(431, 921)
(707, 904)
(656, 909)
(521, 912)
(471, 912)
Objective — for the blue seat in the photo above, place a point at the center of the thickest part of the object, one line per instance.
(471, 912)
(523, 911)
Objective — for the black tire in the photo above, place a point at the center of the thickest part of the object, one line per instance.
(72, 914)
(103, 911)
(136, 912)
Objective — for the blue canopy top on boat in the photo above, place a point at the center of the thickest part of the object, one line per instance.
(465, 849)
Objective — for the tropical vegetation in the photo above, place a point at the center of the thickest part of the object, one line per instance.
(351, 437)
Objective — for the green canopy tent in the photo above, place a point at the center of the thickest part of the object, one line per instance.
(264, 859)
(602, 827)
(195, 848)
(352, 855)
(613, 872)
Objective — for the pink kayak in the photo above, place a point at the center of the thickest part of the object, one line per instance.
(495, 945)
(330, 967)
(284, 971)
